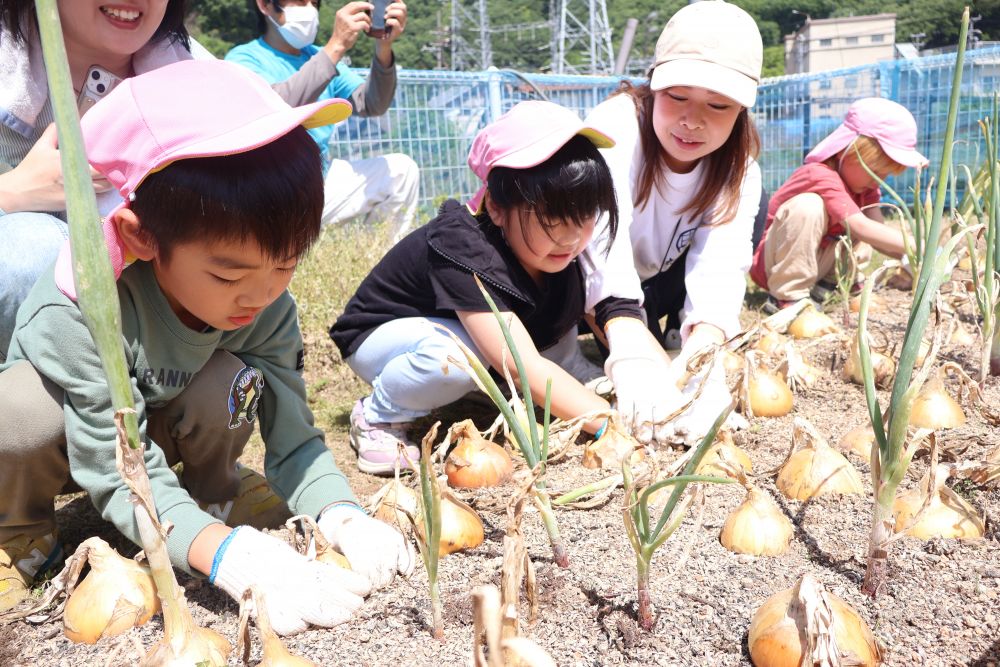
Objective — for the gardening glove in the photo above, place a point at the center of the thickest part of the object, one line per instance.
(298, 592)
(640, 371)
(692, 425)
(372, 547)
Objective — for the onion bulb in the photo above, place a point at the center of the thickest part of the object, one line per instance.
(764, 393)
(961, 336)
(476, 462)
(808, 625)
(816, 469)
(117, 594)
(947, 515)
(811, 324)
(273, 651)
(190, 649)
(883, 367)
(723, 457)
(731, 362)
(876, 302)
(859, 441)
(770, 342)
(934, 408)
(522, 419)
(757, 526)
(399, 505)
(614, 445)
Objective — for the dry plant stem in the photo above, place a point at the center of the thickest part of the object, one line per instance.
(517, 567)
(888, 467)
(430, 542)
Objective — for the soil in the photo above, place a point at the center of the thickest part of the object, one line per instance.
(940, 606)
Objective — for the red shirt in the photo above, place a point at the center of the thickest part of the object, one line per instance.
(840, 204)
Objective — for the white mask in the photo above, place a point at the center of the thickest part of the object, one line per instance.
(301, 25)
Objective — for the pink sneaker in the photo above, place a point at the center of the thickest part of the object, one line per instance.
(377, 445)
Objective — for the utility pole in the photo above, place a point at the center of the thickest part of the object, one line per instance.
(476, 24)
(582, 23)
(972, 38)
(918, 39)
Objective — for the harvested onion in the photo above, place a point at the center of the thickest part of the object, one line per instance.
(461, 527)
(770, 342)
(312, 535)
(947, 515)
(763, 392)
(614, 445)
(799, 374)
(811, 324)
(875, 303)
(816, 469)
(883, 367)
(961, 336)
(476, 462)
(757, 526)
(808, 625)
(934, 408)
(859, 441)
(117, 594)
(273, 651)
(722, 457)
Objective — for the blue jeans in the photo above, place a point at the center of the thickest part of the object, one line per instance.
(29, 244)
(406, 363)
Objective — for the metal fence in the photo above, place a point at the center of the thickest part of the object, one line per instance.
(436, 114)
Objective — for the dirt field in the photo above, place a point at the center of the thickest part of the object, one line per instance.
(941, 606)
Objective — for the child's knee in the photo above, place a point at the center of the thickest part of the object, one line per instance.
(806, 208)
(31, 416)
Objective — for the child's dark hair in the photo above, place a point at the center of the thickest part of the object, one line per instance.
(574, 184)
(272, 195)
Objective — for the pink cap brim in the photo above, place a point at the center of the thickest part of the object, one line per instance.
(842, 137)
(116, 253)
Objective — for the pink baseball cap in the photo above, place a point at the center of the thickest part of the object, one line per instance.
(885, 121)
(193, 108)
(527, 135)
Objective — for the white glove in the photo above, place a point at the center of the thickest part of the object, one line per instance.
(372, 547)
(692, 425)
(640, 371)
(298, 591)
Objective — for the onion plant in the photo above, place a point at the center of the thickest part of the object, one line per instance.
(534, 446)
(646, 537)
(986, 290)
(429, 539)
(98, 300)
(890, 457)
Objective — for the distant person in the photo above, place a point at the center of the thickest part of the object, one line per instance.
(823, 200)
(689, 190)
(211, 339)
(382, 189)
(544, 184)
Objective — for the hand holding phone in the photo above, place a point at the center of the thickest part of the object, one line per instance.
(379, 29)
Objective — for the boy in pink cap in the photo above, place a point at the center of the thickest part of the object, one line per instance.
(213, 233)
(830, 195)
(543, 185)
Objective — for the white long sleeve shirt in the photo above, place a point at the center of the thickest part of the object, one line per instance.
(652, 237)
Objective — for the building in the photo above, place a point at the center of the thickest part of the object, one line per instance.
(835, 43)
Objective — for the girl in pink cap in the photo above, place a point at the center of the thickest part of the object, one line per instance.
(689, 190)
(544, 184)
(830, 195)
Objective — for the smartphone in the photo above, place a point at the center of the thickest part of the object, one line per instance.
(379, 30)
(99, 82)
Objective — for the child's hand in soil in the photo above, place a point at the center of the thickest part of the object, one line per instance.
(373, 548)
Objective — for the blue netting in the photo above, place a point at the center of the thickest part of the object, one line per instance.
(436, 114)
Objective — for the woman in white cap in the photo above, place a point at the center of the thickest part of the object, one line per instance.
(688, 190)
(831, 194)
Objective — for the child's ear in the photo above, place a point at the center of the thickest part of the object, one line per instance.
(496, 215)
(130, 231)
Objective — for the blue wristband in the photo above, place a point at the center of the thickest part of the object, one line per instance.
(219, 553)
(344, 503)
(600, 431)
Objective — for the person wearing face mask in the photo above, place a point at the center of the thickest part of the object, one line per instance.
(383, 189)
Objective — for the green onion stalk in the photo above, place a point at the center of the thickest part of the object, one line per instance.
(98, 299)
(645, 538)
(534, 446)
(986, 290)
(429, 540)
(889, 460)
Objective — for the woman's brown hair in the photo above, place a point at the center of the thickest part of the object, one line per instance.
(725, 168)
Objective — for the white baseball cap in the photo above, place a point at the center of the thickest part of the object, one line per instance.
(710, 44)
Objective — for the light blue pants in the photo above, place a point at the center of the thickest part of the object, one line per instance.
(406, 362)
(29, 244)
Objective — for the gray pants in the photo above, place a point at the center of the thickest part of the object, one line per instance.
(34, 468)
